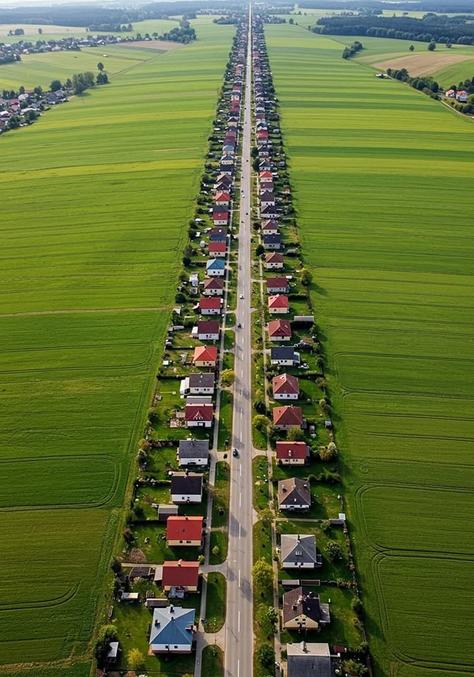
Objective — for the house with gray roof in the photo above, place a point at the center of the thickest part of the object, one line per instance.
(186, 487)
(198, 384)
(298, 551)
(193, 452)
(303, 610)
(172, 630)
(308, 660)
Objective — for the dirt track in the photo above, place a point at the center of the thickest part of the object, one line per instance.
(422, 64)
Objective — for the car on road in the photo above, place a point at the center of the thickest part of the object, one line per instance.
(241, 296)
(235, 452)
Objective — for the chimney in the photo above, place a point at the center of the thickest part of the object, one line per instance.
(171, 609)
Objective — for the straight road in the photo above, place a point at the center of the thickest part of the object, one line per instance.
(239, 621)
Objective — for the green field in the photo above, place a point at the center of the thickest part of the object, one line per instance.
(95, 201)
(382, 178)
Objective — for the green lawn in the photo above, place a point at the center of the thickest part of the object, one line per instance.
(220, 503)
(376, 169)
(225, 421)
(212, 661)
(215, 602)
(95, 199)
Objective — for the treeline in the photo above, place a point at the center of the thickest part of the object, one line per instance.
(430, 28)
(424, 84)
(353, 49)
(111, 28)
(458, 6)
(93, 16)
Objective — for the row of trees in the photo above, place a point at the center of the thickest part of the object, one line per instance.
(184, 33)
(424, 84)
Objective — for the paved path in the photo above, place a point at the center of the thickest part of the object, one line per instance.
(238, 627)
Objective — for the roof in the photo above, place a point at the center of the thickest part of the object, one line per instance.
(298, 548)
(184, 528)
(299, 601)
(208, 327)
(213, 282)
(277, 282)
(294, 491)
(217, 246)
(287, 415)
(215, 264)
(278, 301)
(186, 483)
(218, 234)
(194, 448)
(279, 328)
(210, 303)
(200, 380)
(274, 257)
(285, 384)
(199, 412)
(205, 354)
(286, 450)
(222, 196)
(283, 353)
(308, 660)
(273, 238)
(180, 573)
(172, 625)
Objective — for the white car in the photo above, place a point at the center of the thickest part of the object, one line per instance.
(241, 296)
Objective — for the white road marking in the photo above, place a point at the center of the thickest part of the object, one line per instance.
(239, 578)
(238, 622)
(240, 470)
(238, 667)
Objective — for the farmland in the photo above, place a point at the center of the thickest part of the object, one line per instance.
(96, 198)
(382, 180)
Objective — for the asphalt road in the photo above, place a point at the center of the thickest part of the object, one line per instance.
(239, 630)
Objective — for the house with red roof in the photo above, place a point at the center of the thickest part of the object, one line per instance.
(217, 249)
(270, 227)
(213, 286)
(222, 198)
(205, 356)
(292, 453)
(180, 575)
(285, 387)
(199, 415)
(462, 96)
(278, 304)
(279, 330)
(274, 261)
(287, 417)
(220, 216)
(277, 285)
(210, 305)
(184, 530)
(265, 176)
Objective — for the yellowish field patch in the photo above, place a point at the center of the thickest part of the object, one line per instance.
(422, 64)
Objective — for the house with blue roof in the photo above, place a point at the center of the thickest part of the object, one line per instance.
(172, 630)
(215, 268)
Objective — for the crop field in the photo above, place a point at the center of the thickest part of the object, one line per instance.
(96, 198)
(382, 178)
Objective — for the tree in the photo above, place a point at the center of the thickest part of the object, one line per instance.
(102, 79)
(353, 668)
(328, 453)
(295, 434)
(216, 551)
(227, 377)
(412, 48)
(334, 551)
(306, 277)
(432, 46)
(263, 576)
(271, 615)
(266, 656)
(260, 422)
(135, 659)
(40, 31)
(291, 21)
(260, 250)
(107, 633)
(116, 565)
(100, 66)
(55, 85)
(448, 45)
(14, 122)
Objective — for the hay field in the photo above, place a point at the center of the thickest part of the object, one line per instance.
(382, 177)
(96, 199)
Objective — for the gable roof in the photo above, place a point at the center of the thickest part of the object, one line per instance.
(217, 247)
(298, 548)
(215, 264)
(180, 573)
(199, 412)
(186, 483)
(213, 282)
(277, 283)
(222, 196)
(273, 238)
(194, 448)
(172, 625)
(285, 384)
(274, 257)
(286, 450)
(208, 327)
(184, 528)
(308, 660)
(210, 302)
(205, 354)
